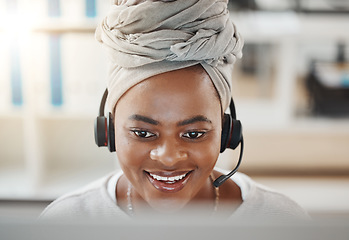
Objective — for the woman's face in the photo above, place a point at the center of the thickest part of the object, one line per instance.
(167, 135)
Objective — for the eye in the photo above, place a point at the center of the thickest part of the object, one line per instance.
(143, 134)
(193, 135)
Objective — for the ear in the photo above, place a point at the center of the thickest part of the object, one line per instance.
(100, 127)
(226, 132)
(236, 135)
(111, 133)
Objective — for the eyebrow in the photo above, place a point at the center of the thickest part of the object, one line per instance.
(195, 119)
(145, 119)
(198, 118)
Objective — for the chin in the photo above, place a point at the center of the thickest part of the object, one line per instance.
(168, 206)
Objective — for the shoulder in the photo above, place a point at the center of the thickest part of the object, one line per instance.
(88, 201)
(261, 201)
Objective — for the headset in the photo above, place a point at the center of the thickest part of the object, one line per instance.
(231, 134)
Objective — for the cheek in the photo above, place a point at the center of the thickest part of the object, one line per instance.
(130, 155)
(207, 153)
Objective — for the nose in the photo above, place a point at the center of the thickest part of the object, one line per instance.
(169, 153)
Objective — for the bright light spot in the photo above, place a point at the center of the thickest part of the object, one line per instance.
(17, 24)
(17, 27)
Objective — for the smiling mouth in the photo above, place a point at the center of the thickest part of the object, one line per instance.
(173, 183)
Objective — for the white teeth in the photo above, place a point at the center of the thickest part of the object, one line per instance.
(160, 178)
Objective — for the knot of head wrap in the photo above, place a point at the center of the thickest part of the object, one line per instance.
(148, 37)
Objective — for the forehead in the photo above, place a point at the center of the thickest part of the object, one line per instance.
(181, 91)
(185, 80)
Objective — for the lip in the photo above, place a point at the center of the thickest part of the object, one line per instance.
(169, 186)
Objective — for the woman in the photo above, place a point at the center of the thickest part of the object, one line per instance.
(169, 88)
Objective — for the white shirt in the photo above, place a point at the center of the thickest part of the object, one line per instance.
(98, 200)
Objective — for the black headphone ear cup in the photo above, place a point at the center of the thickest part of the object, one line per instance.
(236, 134)
(101, 131)
(111, 133)
(226, 130)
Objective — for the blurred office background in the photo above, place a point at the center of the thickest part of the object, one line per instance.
(291, 91)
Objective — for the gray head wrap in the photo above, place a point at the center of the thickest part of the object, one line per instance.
(148, 37)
